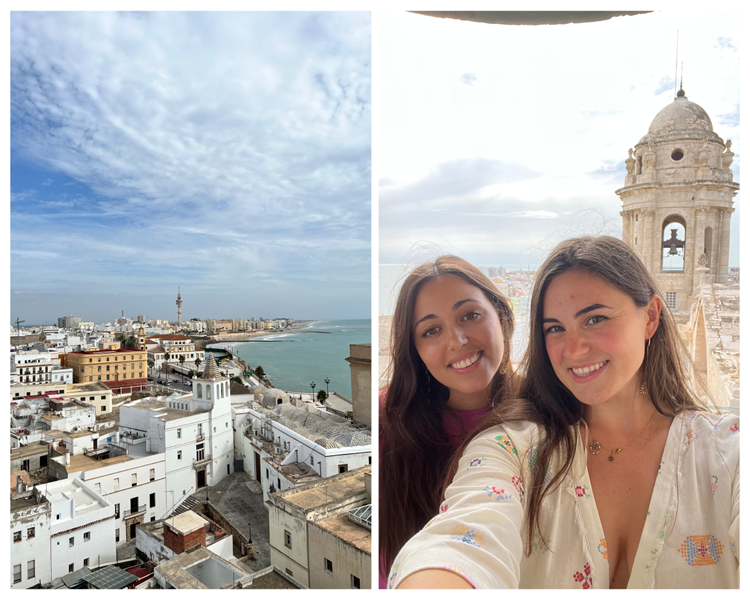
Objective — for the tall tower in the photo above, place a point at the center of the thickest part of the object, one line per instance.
(677, 202)
(179, 307)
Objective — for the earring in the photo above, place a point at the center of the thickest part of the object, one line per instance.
(644, 388)
(504, 369)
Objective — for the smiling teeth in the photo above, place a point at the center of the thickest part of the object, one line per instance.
(466, 363)
(590, 369)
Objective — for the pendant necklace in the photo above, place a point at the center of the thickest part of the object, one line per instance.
(595, 446)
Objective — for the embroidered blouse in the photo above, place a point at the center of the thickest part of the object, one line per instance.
(690, 538)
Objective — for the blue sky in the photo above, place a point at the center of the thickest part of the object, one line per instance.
(225, 153)
(498, 141)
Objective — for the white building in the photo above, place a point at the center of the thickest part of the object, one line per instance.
(30, 539)
(72, 530)
(32, 367)
(289, 444)
(60, 375)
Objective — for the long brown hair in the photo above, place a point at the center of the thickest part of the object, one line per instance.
(414, 451)
(546, 401)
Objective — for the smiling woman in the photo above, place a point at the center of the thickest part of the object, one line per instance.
(604, 370)
(450, 356)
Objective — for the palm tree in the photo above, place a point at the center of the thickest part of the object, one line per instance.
(197, 363)
(165, 364)
(150, 364)
(182, 362)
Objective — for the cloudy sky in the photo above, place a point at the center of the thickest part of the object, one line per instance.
(226, 153)
(498, 141)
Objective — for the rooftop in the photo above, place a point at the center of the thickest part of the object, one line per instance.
(29, 450)
(72, 489)
(200, 569)
(335, 490)
(346, 530)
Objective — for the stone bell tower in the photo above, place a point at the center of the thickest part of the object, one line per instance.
(677, 202)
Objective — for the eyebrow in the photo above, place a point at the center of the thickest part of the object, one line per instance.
(583, 311)
(456, 306)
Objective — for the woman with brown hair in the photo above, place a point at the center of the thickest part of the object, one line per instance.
(608, 412)
(450, 351)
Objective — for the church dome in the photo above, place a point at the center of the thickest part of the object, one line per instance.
(682, 115)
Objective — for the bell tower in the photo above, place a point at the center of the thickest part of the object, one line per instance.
(677, 202)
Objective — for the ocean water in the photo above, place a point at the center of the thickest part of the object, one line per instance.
(293, 360)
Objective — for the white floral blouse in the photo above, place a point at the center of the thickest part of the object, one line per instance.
(690, 538)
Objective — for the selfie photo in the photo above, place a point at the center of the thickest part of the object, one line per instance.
(559, 301)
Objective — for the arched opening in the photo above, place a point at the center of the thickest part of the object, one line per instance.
(673, 244)
(199, 387)
(208, 392)
(708, 240)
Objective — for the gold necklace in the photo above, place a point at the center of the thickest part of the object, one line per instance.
(595, 446)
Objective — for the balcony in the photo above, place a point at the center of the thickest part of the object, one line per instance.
(131, 512)
(200, 462)
(200, 437)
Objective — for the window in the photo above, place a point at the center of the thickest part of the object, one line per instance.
(151, 474)
(672, 300)
(133, 479)
(228, 472)
(179, 434)
(117, 535)
(200, 453)
(30, 569)
(152, 500)
(16, 536)
(343, 468)
(179, 455)
(85, 562)
(153, 518)
(30, 533)
(369, 460)
(101, 409)
(116, 484)
(287, 539)
(355, 582)
(71, 568)
(117, 511)
(87, 536)
(16, 573)
(328, 565)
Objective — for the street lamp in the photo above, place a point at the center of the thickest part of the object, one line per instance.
(327, 382)
(312, 385)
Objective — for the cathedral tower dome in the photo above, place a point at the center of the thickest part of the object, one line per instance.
(677, 201)
(682, 116)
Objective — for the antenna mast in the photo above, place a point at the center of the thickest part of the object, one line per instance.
(676, 55)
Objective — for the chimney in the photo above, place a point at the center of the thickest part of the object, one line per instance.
(20, 487)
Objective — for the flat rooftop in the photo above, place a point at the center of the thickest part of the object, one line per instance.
(326, 493)
(66, 489)
(81, 462)
(345, 529)
(29, 450)
(165, 413)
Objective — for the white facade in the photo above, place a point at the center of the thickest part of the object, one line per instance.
(59, 375)
(135, 488)
(32, 367)
(277, 446)
(82, 527)
(30, 541)
(193, 433)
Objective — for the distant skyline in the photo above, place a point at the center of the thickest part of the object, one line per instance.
(225, 153)
(496, 142)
